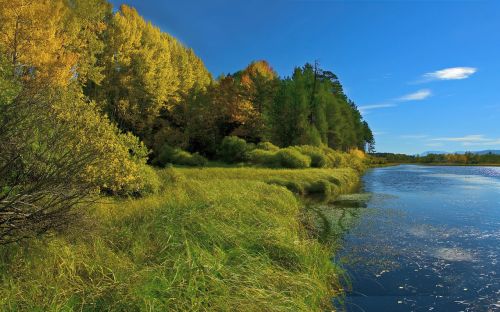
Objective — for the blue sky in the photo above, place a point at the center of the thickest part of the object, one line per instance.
(424, 73)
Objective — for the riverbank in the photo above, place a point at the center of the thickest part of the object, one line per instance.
(215, 239)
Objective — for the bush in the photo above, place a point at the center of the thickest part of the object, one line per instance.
(56, 153)
(233, 149)
(268, 146)
(150, 181)
(291, 158)
(172, 155)
(319, 158)
(263, 157)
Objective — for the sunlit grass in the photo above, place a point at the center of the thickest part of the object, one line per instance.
(216, 239)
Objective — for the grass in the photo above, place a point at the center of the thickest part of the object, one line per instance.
(302, 181)
(215, 239)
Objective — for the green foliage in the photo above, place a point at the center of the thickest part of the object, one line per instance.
(311, 109)
(172, 155)
(305, 156)
(319, 156)
(233, 149)
(267, 146)
(150, 181)
(291, 158)
(264, 157)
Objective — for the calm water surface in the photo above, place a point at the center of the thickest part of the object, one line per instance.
(428, 239)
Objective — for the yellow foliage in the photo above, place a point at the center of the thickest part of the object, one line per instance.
(51, 41)
(357, 153)
(118, 160)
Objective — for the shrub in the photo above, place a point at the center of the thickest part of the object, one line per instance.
(150, 181)
(357, 153)
(268, 146)
(177, 156)
(263, 157)
(319, 158)
(291, 158)
(57, 152)
(233, 149)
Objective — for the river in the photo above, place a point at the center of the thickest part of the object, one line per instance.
(425, 238)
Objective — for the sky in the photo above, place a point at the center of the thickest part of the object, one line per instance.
(425, 74)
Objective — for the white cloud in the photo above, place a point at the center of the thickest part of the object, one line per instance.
(467, 138)
(416, 96)
(454, 73)
(471, 140)
(375, 106)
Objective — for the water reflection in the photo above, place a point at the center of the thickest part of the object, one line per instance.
(428, 239)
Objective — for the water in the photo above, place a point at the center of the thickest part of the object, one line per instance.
(428, 239)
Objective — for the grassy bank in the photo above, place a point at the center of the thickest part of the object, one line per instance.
(215, 239)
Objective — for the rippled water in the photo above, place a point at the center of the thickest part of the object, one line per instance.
(428, 239)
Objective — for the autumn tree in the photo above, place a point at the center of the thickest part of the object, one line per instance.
(147, 74)
(54, 41)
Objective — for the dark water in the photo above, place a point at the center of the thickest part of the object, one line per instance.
(428, 239)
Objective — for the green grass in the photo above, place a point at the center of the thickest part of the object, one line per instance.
(215, 239)
(303, 181)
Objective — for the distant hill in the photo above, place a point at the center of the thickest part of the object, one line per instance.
(496, 152)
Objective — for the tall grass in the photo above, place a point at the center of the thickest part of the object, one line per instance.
(301, 181)
(215, 239)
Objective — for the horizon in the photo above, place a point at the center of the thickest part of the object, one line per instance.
(433, 90)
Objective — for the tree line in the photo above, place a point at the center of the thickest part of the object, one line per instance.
(89, 96)
(467, 158)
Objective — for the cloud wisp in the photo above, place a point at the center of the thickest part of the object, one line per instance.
(415, 96)
(414, 136)
(471, 140)
(366, 108)
(453, 73)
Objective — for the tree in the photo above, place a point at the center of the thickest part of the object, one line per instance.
(54, 41)
(147, 75)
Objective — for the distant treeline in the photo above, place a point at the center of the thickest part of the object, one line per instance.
(465, 158)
